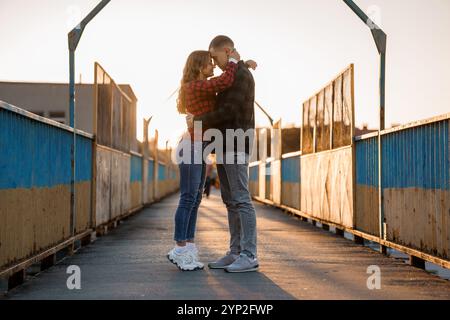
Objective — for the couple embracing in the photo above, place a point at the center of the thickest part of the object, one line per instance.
(224, 104)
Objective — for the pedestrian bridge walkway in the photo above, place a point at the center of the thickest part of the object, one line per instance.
(61, 187)
(297, 261)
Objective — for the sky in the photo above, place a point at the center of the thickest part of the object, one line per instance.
(300, 45)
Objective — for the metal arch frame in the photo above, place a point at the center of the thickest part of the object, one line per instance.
(380, 40)
(74, 37)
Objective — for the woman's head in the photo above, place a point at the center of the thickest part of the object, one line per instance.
(198, 66)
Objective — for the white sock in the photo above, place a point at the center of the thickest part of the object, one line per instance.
(179, 249)
(191, 246)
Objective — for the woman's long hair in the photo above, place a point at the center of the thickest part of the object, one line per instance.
(196, 61)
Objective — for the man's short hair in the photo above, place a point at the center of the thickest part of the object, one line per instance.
(220, 41)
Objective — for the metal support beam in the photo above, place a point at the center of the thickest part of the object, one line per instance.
(74, 37)
(380, 39)
(265, 112)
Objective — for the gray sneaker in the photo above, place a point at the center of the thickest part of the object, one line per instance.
(243, 264)
(223, 262)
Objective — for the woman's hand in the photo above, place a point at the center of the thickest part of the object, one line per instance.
(189, 120)
(251, 64)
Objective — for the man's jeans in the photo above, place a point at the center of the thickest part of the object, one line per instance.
(192, 182)
(241, 213)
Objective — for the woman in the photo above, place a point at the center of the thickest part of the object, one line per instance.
(197, 95)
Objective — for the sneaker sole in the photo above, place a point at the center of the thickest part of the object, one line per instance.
(213, 267)
(195, 269)
(242, 271)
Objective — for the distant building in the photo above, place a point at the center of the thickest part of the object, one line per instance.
(51, 100)
(363, 130)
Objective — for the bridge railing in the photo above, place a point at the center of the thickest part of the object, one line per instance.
(112, 181)
(35, 174)
(335, 181)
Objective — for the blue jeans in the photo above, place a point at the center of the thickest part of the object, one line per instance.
(192, 182)
(241, 213)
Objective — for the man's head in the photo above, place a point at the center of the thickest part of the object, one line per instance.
(220, 49)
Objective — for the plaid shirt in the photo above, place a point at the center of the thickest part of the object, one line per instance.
(201, 94)
(235, 106)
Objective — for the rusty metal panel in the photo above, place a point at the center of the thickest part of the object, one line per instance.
(254, 180)
(328, 116)
(125, 194)
(339, 137)
(324, 116)
(268, 174)
(327, 186)
(150, 180)
(309, 120)
(83, 183)
(103, 84)
(347, 106)
(116, 184)
(161, 184)
(416, 187)
(116, 113)
(145, 198)
(366, 211)
(35, 184)
(103, 192)
(136, 180)
(275, 181)
(290, 182)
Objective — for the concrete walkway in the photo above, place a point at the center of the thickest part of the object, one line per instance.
(298, 261)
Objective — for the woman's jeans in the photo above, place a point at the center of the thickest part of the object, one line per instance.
(192, 182)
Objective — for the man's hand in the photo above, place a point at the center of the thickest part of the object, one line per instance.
(190, 120)
(251, 64)
(235, 55)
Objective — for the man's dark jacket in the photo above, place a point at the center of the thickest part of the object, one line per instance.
(234, 107)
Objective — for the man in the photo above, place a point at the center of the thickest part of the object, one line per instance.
(235, 110)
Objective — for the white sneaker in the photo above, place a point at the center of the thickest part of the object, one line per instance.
(185, 260)
(194, 252)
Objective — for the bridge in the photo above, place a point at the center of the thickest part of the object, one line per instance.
(337, 219)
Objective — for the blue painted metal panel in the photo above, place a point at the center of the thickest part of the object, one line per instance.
(161, 172)
(268, 173)
(37, 154)
(254, 173)
(83, 169)
(417, 157)
(367, 162)
(151, 165)
(290, 170)
(136, 169)
(173, 174)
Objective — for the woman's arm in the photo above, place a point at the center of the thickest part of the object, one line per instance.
(216, 84)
